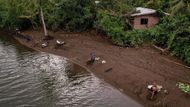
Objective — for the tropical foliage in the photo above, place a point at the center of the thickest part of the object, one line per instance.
(109, 17)
(67, 14)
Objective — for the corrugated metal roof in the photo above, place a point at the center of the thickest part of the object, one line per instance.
(143, 11)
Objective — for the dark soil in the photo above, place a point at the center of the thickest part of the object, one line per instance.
(128, 69)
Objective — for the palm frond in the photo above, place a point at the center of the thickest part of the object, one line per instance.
(178, 7)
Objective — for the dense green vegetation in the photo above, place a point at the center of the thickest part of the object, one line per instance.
(172, 33)
(70, 15)
(108, 16)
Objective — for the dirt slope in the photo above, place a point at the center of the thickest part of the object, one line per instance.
(131, 69)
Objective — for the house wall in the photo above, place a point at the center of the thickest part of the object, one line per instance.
(152, 20)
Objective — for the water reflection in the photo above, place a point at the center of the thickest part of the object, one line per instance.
(30, 78)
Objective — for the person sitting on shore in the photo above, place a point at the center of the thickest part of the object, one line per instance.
(92, 57)
(154, 89)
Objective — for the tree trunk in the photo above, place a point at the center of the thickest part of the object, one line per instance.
(43, 22)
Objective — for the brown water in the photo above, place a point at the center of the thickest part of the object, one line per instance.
(36, 79)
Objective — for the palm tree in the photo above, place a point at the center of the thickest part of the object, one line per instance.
(180, 6)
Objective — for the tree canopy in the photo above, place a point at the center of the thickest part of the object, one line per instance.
(172, 33)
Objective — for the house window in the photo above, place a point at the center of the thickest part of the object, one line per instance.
(144, 21)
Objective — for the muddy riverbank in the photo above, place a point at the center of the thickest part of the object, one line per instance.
(31, 78)
(130, 69)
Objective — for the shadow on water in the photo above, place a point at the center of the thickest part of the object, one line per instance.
(7, 38)
(29, 78)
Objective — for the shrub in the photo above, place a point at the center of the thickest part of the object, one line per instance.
(183, 87)
(115, 26)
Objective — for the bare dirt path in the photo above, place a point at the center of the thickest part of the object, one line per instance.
(132, 69)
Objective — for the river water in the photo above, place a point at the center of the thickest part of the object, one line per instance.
(36, 79)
